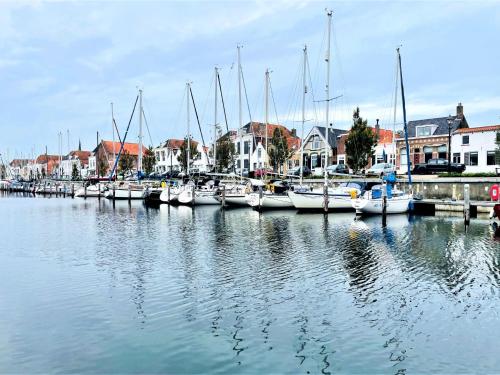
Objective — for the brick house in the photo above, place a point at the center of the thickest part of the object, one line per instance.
(108, 150)
(428, 138)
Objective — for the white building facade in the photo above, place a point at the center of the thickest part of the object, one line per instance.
(475, 147)
(167, 157)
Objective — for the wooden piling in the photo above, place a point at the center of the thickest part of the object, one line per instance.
(192, 192)
(384, 204)
(325, 198)
(129, 193)
(223, 196)
(85, 190)
(466, 204)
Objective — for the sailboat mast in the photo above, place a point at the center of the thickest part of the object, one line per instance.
(304, 91)
(188, 89)
(240, 112)
(404, 119)
(327, 92)
(267, 115)
(113, 128)
(139, 158)
(215, 120)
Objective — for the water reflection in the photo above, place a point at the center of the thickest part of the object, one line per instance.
(202, 290)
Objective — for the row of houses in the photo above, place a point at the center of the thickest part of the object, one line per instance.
(427, 138)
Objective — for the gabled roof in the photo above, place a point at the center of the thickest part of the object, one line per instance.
(19, 162)
(176, 144)
(479, 129)
(440, 122)
(42, 159)
(258, 129)
(131, 148)
(332, 134)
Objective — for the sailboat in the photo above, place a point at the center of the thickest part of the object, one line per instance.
(235, 194)
(128, 191)
(275, 195)
(325, 198)
(396, 201)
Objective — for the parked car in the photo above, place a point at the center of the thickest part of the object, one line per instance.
(296, 171)
(337, 168)
(380, 169)
(262, 171)
(437, 166)
(244, 174)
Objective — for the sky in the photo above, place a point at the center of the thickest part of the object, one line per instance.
(63, 63)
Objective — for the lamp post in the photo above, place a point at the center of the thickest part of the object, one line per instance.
(449, 120)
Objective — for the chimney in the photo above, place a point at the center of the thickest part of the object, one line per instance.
(377, 129)
(460, 111)
(294, 132)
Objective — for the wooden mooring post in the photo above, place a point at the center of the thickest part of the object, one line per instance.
(325, 198)
(223, 196)
(384, 205)
(466, 204)
(129, 193)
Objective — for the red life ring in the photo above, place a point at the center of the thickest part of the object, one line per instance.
(494, 191)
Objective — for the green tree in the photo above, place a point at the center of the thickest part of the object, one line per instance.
(75, 175)
(225, 153)
(149, 160)
(278, 150)
(182, 157)
(360, 143)
(102, 166)
(126, 163)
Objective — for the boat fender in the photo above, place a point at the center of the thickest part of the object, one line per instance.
(353, 194)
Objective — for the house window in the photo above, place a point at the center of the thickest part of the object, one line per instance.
(259, 153)
(424, 131)
(316, 142)
(427, 153)
(314, 161)
(442, 152)
(246, 147)
(465, 139)
(456, 157)
(341, 160)
(157, 156)
(490, 158)
(470, 158)
(163, 155)
(246, 163)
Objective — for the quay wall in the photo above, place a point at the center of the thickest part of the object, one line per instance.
(438, 188)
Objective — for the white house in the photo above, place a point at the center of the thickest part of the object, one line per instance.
(251, 140)
(167, 157)
(475, 147)
(78, 158)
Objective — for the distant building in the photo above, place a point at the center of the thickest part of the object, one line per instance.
(428, 139)
(384, 150)
(107, 151)
(44, 165)
(250, 145)
(168, 153)
(78, 158)
(475, 147)
(19, 168)
(314, 147)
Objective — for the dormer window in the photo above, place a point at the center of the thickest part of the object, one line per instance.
(425, 130)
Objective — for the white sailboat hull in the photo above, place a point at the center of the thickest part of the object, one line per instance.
(174, 195)
(236, 200)
(200, 197)
(315, 201)
(270, 201)
(123, 194)
(92, 191)
(395, 205)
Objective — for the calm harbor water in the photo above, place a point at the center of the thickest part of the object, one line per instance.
(88, 287)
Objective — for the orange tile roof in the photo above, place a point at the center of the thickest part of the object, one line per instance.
(489, 128)
(177, 143)
(131, 148)
(42, 159)
(19, 162)
(259, 130)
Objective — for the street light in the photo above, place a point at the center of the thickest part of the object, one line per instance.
(449, 120)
